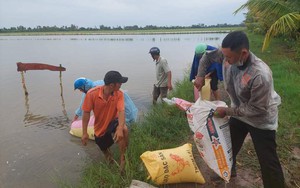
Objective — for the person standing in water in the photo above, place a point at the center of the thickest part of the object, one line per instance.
(163, 75)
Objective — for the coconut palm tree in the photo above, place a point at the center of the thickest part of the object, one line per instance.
(279, 17)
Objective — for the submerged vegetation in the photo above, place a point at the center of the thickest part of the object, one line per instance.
(124, 31)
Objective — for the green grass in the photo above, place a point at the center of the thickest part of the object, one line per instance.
(166, 126)
(286, 75)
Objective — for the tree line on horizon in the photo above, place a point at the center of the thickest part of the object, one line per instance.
(273, 18)
(73, 27)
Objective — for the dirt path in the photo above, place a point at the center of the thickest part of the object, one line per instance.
(246, 178)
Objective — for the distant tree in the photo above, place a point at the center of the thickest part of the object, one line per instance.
(200, 25)
(102, 27)
(21, 28)
(14, 29)
(118, 28)
(150, 27)
(73, 27)
(134, 27)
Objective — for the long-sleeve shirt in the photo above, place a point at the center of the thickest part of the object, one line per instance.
(213, 67)
(251, 90)
(89, 84)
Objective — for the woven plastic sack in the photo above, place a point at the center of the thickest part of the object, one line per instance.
(185, 106)
(212, 137)
(172, 165)
(76, 128)
(204, 94)
(131, 111)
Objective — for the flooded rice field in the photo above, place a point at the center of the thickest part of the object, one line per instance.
(35, 145)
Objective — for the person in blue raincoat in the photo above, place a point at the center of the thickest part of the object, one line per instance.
(214, 71)
(84, 85)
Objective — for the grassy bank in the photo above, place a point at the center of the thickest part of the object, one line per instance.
(128, 32)
(166, 126)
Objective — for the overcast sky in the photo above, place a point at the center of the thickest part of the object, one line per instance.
(91, 13)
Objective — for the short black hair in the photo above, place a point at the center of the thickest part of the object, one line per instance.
(236, 40)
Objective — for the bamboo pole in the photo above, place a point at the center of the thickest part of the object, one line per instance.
(61, 94)
(61, 88)
(23, 83)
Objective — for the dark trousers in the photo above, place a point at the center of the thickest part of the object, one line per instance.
(214, 81)
(159, 91)
(265, 148)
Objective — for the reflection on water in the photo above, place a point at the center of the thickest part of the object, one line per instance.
(42, 121)
(30, 118)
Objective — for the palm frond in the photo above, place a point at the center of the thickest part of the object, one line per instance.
(267, 7)
(244, 6)
(284, 25)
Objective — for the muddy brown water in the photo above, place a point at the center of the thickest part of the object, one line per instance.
(36, 148)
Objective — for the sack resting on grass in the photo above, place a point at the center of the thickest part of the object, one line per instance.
(182, 104)
(185, 106)
(212, 137)
(172, 165)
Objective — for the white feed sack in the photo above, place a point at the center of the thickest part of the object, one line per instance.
(212, 137)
